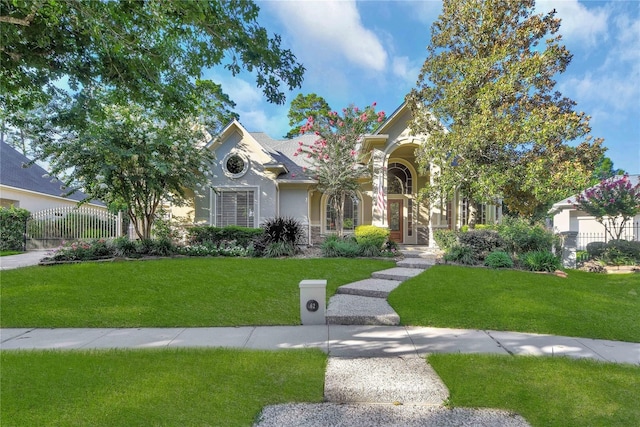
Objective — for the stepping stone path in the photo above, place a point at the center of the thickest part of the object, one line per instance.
(381, 391)
(365, 302)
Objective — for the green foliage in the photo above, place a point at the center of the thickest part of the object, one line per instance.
(604, 169)
(481, 242)
(520, 236)
(150, 52)
(445, 239)
(461, 254)
(338, 247)
(218, 236)
(496, 122)
(305, 106)
(596, 249)
(540, 261)
(279, 249)
(613, 202)
(466, 228)
(13, 223)
(498, 259)
(621, 252)
(371, 235)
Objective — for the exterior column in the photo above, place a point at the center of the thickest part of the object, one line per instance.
(569, 248)
(379, 191)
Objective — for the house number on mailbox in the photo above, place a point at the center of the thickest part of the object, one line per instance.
(312, 305)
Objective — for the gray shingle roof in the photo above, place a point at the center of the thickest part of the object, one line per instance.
(31, 178)
(282, 150)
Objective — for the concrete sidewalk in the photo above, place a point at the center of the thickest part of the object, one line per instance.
(336, 340)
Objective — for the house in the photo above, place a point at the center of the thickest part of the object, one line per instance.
(31, 187)
(257, 177)
(566, 217)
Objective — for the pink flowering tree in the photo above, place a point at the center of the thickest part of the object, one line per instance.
(613, 202)
(335, 159)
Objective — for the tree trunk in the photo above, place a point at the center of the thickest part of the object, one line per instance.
(338, 201)
(473, 213)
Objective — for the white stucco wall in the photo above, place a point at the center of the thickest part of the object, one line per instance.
(35, 202)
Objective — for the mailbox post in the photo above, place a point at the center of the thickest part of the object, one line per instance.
(313, 306)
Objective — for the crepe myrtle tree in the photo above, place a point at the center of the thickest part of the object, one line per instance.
(130, 156)
(334, 158)
(613, 202)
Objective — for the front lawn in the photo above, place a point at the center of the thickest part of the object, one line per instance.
(187, 292)
(546, 391)
(582, 305)
(176, 387)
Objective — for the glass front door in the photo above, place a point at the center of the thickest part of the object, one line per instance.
(395, 219)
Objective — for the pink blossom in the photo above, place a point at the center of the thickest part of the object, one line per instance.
(300, 143)
(353, 153)
(380, 119)
(374, 104)
(304, 169)
(293, 175)
(295, 154)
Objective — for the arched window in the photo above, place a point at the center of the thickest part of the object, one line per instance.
(398, 179)
(351, 213)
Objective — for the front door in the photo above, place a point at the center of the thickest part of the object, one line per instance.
(394, 217)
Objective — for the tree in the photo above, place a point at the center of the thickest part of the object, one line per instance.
(485, 96)
(152, 51)
(303, 107)
(334, 158)
(613, 202)
(131, 156)
(604, 169)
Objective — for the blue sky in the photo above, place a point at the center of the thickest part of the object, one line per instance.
(366, 51)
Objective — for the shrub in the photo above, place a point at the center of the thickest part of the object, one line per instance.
(482, 242)
(540, 261)
(371, 235)
(461, 254)
(13, 222)
(279, 249)
(369, 249)
(123, 247)
(466, 228)
(445, 239)
(283, 229)
(498, 259)
(520, 237)
(219, 236)
(334, 247)
(621, 252)
(596, 249)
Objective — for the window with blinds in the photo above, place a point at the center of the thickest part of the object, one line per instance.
(235, 208)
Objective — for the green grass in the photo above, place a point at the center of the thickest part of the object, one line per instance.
(7, 253)
(177, 387)
(185, 292)
(583, 305)
(547, 392)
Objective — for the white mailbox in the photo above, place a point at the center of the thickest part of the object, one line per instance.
(313, 305)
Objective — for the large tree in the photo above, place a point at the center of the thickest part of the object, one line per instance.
(335, 160)
(486, 96)
(131, 157)
(305, 106)
(154, 52)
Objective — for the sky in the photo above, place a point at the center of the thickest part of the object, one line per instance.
(360, 52)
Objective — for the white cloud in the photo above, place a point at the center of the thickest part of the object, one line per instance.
(406, 69)
(331, 27)
(425, 11)
(586, 25)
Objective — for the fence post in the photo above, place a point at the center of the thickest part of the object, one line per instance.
(569, 248)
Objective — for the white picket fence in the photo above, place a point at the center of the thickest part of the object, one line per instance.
(50, 228)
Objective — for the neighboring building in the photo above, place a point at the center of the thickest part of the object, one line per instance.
(567, 218)
(31, 187)
(258, 178)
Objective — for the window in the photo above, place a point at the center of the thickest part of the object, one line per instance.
(235, 165)
(235, 208)
(481, 212)
(351, 211)
(398, 179)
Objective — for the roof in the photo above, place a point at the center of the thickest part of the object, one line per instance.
(569, 202)
(15, 172)
(283, 150)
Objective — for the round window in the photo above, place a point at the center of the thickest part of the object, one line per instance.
(235, 165)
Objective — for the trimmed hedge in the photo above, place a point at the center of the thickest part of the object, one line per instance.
(217, 236)
(13, 223)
